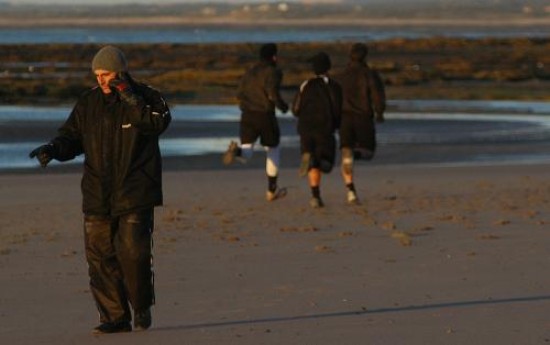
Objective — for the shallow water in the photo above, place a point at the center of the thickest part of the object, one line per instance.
(230, 113)
(234, 34)
(475, 132)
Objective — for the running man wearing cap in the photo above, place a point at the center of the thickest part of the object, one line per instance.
(317, 105)
(116, 126)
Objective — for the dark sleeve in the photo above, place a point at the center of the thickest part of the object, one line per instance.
(378, 93)
(296, 105)
(68, 143)
(273, 85)
(240, 91)
(336, 103)
(153, 117)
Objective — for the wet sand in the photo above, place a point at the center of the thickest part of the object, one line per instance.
(432, 256)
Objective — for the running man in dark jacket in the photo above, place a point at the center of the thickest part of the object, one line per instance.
(317, 106)
(258, 96)
(116, 125)
(364, 103)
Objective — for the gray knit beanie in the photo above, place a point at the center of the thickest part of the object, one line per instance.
(111, 59)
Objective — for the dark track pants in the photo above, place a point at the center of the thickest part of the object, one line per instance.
(118, 251)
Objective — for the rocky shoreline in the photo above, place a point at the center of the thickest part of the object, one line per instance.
(434, 68)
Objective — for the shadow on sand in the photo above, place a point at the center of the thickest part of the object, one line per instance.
(363, 311)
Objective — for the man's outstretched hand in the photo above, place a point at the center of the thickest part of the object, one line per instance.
(44, 154)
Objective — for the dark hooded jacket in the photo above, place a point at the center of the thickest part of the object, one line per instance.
(318, 106)
(258, 90)
(363, 90)
(122, 164)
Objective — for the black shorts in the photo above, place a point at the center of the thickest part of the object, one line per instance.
(358, 132)
(322, 149)
(260, 125)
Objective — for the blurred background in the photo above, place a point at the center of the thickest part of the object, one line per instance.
(438, 58)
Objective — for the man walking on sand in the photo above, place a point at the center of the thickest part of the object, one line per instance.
(317, 106)
(364, 101)
(116, 125)
(258, 96)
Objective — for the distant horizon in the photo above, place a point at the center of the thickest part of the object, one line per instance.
(355, 12)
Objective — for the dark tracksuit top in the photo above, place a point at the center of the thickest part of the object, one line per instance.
(122, 165)
(363, 99)
(258, 91)
(363, 90)
(258, 95)
(317, 105)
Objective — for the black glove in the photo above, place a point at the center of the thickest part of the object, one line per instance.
(44, 154)
(122, 86)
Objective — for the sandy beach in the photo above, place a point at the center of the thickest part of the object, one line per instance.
(434, 255)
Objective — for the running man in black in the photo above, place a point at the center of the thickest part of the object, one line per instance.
(364, 102)
(317, 106)
(258, 96)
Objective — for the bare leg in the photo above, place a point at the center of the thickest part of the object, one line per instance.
(314, 177)
(347, 175)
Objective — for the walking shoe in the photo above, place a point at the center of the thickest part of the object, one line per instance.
(276, 194)
(112, 327)
(352, 198)
(316, 203)
(229, 155)
(304, 164)
(347, 161)
(142, 320)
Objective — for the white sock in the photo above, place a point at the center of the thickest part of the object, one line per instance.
(272, 160)
(247, 150)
